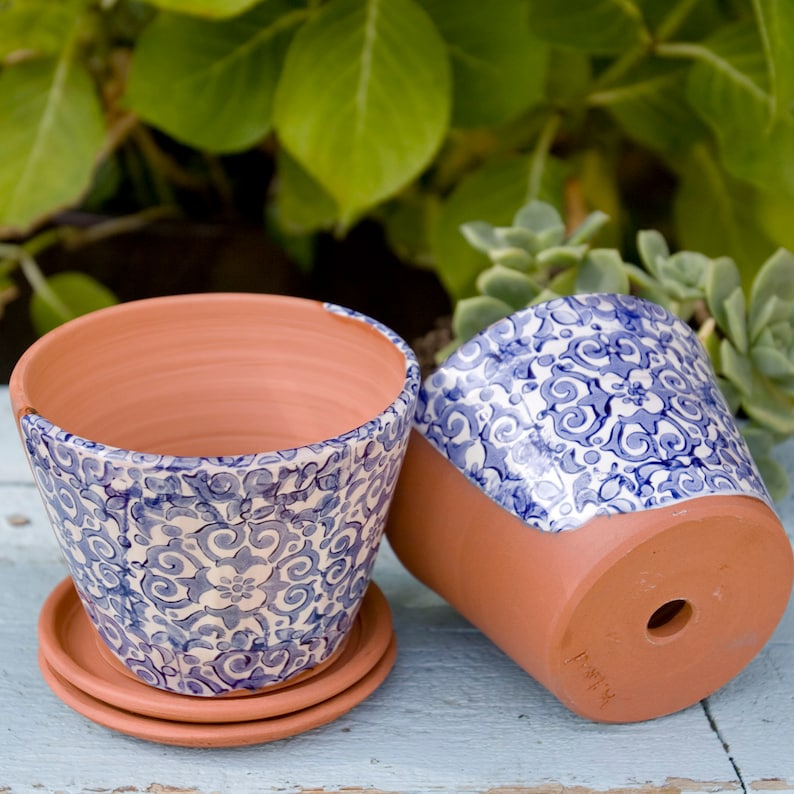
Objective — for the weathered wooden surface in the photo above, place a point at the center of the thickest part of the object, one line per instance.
(455, 715)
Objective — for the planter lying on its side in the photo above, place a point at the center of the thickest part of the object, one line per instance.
(576, 486)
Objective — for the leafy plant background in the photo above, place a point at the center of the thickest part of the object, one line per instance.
(419, 115)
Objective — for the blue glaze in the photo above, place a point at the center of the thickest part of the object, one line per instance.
(584, 406)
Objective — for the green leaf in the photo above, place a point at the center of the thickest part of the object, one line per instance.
(775, 279)
(51, 131)
(714, 214)
(772, 362)
(78, 292)
(39, 26)
(735, 311)
(771, 407)
(729, 86)
(489, 194)
(588, 228)
(722, 278)
(302, 205)
(206, 8)
(736, 367)
(774, 475)
(651, 106)
(364, 99)
(602, 271)
(775, 20)
(543, 220)
(598, 26)
(473, 315)
(498, 67)
(653, 250)
(513, 288)
(211, 84)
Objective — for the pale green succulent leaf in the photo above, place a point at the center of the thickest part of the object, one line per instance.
(588, 228)
(767, 314)
(514, 288)
(772, 362)
(561, 256)
(722, 278)
(653, 250)
(490, 193)
(514, 258)
(481, 235)
(775, 279)
(563, 283)
(602, 271)
(770, 406)
(518, 237)
(473, 315)
(736, 319)
(542, 219)
(736, 367)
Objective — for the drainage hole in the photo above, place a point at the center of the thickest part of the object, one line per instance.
(670, 618)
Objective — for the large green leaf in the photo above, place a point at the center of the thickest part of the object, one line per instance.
(70, 295)
(302, 205)
(211, 84)
(651, 106)
(51, 130)
(492, 194)
(775, 19)
(206, 8)
(498, 67)
(729, 85)
(714, 214)
(364, 99)
(39, 26)
(597, 26)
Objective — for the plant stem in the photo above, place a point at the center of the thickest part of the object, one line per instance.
(674, 19)
(540, 155)
(36, 278)
(667, 27)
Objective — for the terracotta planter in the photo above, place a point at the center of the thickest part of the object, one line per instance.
(576, 486)
(217, 469)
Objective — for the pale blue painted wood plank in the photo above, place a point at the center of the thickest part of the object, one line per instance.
(754, 713)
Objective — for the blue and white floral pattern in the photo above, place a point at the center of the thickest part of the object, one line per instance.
(207, 575)
(586, 405)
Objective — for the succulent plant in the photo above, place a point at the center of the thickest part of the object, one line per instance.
(749, 337)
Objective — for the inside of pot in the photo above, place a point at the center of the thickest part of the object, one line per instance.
(212, 375)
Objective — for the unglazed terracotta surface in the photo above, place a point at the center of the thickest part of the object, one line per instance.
(72, 649)
(224, 734)
(217, 469)
(576, 487)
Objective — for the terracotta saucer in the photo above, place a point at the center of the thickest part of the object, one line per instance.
(220, 734)
(73, 651)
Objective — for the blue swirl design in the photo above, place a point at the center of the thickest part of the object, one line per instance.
(205, 575)
(583, 406)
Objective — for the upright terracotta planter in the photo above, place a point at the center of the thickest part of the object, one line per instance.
(576, 486)
(217, 469)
